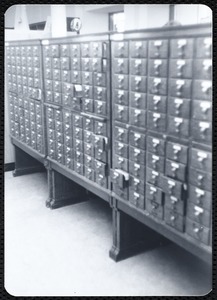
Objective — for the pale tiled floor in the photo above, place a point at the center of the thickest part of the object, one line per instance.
(64, 252)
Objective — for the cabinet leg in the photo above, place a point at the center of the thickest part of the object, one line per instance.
(131, 237)
(63, 191)
(25, 164)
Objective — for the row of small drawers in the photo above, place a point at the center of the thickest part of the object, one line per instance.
(24, 71)
(23, 50)
(24, 61)
(184, 48)
(178, 68)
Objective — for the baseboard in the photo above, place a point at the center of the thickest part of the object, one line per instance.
(9, 167)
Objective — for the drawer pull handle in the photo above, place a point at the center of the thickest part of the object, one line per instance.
(207, 63)
(206, 86)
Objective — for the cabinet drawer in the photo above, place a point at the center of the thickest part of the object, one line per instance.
(138, 84)
(120, 179)
(64, 50)
(121, 163)
(202, 110)
(158, 49)
(79, 157)
(137, 100)
(155, 145)
(153, 193)
(121, 149)
(89, 173)
(121, 113)
(48, 74)
(55, 62)
(86, 65)
(57, 97)
(99, 93)
(67, 100)
(156, 121)
(74, 102)
(76, 64)
(204, 47)
(174, 204)
(137, 185)
(180, 88)
(173, 219)
(67, 129)
(68, 141)
(201, 131)
(65, 63)
(79, 168)
(100, 154)
(100, 168)
(88, 124)
(157, 103)
(68, 152)
(56, 75)
(97, 49)
(175, 170)
(88, 136)
(121, 65)
(137, 170)
(57, 87)
(49, 96)
(138, 117)
(100, 107)
(182, 48)
(97, 65)
(78, 145)
(157, 86)
(200, 197)
(158, 67)
(172, 187)
(121, 135)
(77, 121)
(200, 179)
(89, 161)
(121, 192)
(137, 199)
(155, 162)
(197, 231)
(99, 79)
(120, 49)
(66, 116)
(179, 107)
(54, 51)
(138, 67)
(201, 160)
(199, 214)
(177, 152)
(87, 78)
(121, 82)
(75, 50)
(76, 77)
(78, 133)
(87, 105)
(100, 128)
(202, 90)
(89, 149)
(48, 85)
(137, 155)
(203, 69)
(85, 50)
(178, 127)
(69, 163)
(121, 97)
(137, 139)
(155, 209)
(87, 91)
(59, 137)
(138, 49)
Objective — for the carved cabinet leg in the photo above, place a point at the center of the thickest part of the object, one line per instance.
(131, 237)
(25, 164)
(63, 191)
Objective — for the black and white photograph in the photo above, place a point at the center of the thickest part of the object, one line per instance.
(108, 138)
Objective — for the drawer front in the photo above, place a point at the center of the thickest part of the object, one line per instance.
(100, 128)
(88, 124)
(202, 90)
(178, 127)
(197, 231)
(121, 149)
(199, 214)
(138, 49)
(137, 185)
(202, 110)
(85, 50)
(121, 82)
(155, 162)
(100, 155)
(158, 86)
(139, 84)
(200, 197)
(66, 76)
(153, 193)
(68, 141)
(121, 135)
(182, 48)
(158, 49)
(120, 49)
(88, 136)
(56, 75)
(137, 170)
(158, 67)
(157, 103)
(201, 131)
(78, 145)
(75, 103)
(97, 65)
(171, 187)
(64, 50)
(121, 65)
(121, 113)
(100, 168)
(138, 67)
(86, 65)
(49, 96)
(99, 93)
(89, 161)
(100, 107)
(121, 97)
(181, 68)
(138, 117)
(57, 98)
(137, 199)
(121, 163)
(55, 62)
(78, 133)
(203, 69)
(87, 78)
(99, 79)
(179, 107)
(123, 193)
(89, 149)
(97, 49)
(180, 88)
(204, 47)
(87, 105)
(77, 121)
(75, 50)
(200, 179)
(138, 100)
(76, 64)
(155, 209)
(79, 168)
(201, 160)
(175, 170)
(174, 204)
(137, 140)
(155, 145)
(76, 77)
(173, 219)
(89, 173)
(137, 155)
(177, 152)
(65, 63)
(87, 91)
(79, 157)
(156, 121)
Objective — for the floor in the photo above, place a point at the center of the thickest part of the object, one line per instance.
(64, 252)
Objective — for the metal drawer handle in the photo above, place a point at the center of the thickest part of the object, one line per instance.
(207, 63)
(156, 99)
(206, 86)
(200, 178)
